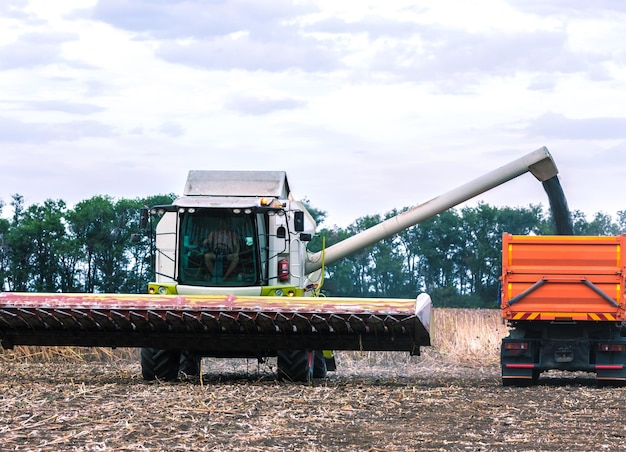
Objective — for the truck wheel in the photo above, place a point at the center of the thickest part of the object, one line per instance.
(293, 365)
(159, 364)
(519, 382)
(536, 375)
(190, 363)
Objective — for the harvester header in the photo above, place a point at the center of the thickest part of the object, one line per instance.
(214, 323)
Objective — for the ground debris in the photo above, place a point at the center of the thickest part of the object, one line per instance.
(428, 404)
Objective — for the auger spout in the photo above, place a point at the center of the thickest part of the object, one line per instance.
(539, 163)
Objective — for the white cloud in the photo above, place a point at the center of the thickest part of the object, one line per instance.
(254, 105)
(73, 108)
(32, 50)
(13, 131)
(171, 129)
(557, 126)
(181, 19)
(226, 53)
(368, 105)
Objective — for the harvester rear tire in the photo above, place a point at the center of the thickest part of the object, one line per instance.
(159, 364)
(293, 365)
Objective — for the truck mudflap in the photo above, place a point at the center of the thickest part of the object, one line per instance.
(223, 324)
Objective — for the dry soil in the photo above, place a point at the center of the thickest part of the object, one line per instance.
(374, 402)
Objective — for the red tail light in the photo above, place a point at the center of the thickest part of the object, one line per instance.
(515, 345)
(612, 347)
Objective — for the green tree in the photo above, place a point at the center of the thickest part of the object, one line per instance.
(602, 224)
(409, 247)
(92, 222)
(439, 241)
(318, 215)
(4, 249)
(338, 277)
(621, 222)
(519, 221)
(481, 253)
(139, 243)
(46, 228)
(387, 274)
(350, 276)
(19, 249)
(36, 240)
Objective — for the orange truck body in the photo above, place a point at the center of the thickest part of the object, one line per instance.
(563, 298)
(563, 278)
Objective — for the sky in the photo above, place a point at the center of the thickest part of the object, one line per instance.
(367, 105)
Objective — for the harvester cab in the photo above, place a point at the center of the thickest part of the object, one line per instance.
(239, 231)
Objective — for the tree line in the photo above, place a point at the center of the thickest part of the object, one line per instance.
(455, 256)
(50, 248)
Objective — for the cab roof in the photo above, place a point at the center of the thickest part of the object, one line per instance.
(237, 183)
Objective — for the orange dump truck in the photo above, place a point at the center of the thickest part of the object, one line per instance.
(563, 299)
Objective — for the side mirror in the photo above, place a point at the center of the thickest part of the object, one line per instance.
(298, 220)
(143, 218)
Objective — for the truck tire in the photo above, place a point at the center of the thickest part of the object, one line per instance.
(518, 382)
(293, 365)
(159, 364)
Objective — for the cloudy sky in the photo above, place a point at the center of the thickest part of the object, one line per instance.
(368, 105)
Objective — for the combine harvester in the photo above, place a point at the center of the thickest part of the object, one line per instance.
(249, 292)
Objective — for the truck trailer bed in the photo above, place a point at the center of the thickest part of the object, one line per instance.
(576, 278)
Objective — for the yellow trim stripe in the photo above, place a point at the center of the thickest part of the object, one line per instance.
(597, 316)
(563, 238)
(510, 254)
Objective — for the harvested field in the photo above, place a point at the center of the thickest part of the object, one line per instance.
(75, 399)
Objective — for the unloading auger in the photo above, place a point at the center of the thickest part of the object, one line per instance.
(234, 279)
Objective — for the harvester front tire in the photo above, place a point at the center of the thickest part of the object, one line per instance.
(190, 363)
(293, 365)
(320, 367)
(159, 364)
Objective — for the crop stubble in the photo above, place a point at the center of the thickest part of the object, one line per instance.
(445, 399)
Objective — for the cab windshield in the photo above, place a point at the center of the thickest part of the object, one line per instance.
(218, 248)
